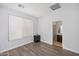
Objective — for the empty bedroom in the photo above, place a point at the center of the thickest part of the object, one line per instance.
(39, 29)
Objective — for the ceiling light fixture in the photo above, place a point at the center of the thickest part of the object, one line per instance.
(21, 6)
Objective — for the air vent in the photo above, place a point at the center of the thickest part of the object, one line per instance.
(55, 6)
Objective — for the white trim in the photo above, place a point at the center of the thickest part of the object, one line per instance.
(72, 50)
(14, 47)
(50, 43)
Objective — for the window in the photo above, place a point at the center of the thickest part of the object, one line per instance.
(19, 27)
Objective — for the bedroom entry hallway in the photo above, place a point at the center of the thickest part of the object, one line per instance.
(57, 33)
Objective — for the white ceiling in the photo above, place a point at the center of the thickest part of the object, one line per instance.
(34, 9)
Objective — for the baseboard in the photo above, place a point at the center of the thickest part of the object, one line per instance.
(63, 47)
(46, 42)
(71, 50)
(14, 47)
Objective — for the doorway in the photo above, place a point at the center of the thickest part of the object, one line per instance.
(57, 33)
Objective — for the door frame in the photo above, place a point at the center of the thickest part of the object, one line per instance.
(53, 33)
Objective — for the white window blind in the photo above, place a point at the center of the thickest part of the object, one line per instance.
(19, 27)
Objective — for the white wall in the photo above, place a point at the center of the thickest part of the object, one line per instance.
(69, 14)
(5, 44)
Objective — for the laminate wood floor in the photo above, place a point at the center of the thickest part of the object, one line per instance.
(38, 49)
(57, 43)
